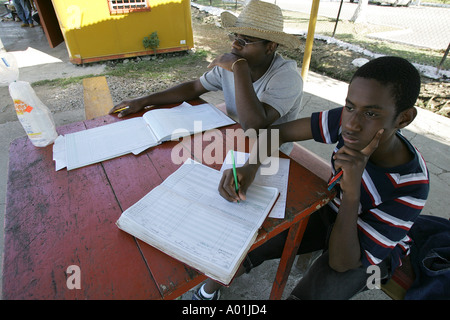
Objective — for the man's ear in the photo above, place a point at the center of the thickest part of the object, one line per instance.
(406, 117)
(271, 47)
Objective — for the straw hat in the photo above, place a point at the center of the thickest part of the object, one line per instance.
(260, 20)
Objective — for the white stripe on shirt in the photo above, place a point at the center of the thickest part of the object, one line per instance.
(371, 188)
(412, 202)
(326, 132)
(375, 235)
(383, 216)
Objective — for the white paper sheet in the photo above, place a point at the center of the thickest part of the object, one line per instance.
(106, 142)
(59, 153)
(278, 180)
(135, 135)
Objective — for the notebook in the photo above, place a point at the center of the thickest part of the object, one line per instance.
(135, 135)
(186, 218)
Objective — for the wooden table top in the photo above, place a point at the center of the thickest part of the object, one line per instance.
(57, 219)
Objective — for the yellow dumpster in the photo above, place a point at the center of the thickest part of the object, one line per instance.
(97, 30)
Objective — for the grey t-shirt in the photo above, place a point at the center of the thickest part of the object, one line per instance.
(280, 87)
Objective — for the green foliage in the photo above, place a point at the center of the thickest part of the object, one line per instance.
(152, 41)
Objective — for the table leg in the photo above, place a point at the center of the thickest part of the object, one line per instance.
(293, 241)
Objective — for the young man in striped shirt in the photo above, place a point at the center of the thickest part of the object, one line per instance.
(383, 188)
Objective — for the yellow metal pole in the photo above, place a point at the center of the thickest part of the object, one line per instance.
(310, 38)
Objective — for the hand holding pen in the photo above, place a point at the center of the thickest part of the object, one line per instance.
(234, 173)
(121, 109)
(128, 107)
(235, 182)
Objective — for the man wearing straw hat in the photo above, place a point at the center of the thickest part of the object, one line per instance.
(260, 87)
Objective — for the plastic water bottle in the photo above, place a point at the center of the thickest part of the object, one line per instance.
(9, 70)
(34, 116)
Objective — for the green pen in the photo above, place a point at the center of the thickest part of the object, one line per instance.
(234, 173)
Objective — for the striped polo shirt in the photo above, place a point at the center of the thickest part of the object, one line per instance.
(391, 198)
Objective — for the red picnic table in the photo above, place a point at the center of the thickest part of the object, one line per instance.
(58, 219)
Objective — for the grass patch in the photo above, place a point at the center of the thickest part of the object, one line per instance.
(165, 66)
(162, 66)
(61, 82)
(413, 54)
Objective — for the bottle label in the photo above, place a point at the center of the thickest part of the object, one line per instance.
(21, 107)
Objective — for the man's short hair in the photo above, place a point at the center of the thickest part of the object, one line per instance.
(395, 71)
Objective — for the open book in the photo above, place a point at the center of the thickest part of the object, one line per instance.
(134, 135)
(186, 218)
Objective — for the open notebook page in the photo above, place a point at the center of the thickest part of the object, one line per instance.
(186, 218)
(185, 119)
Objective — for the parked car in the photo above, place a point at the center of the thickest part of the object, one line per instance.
(393, 3)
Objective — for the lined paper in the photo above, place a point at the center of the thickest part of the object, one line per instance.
(186, 218)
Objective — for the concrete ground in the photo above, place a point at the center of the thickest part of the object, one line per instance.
(37, 61)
